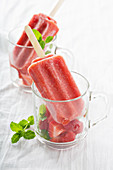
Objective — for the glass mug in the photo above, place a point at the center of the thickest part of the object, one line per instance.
(18, 58)
(64, 135)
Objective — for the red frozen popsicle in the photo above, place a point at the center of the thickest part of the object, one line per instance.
(55, 82)
(46, 26)
(23, 56)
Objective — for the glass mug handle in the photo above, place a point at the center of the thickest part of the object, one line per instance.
(93, 96)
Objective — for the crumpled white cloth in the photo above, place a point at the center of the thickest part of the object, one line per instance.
(86, 28)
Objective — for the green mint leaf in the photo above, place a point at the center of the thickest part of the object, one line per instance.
(40, 39)
(42, 44)
(49, 39)
(29, 134)
(15, 127)
(23, 123)
(47, 52)
(15, 138)
(28, 126)
(45, 134)
(43, 118)
(21, 133)
(31, 120)
(42, 110)
(51, 46)
(37, 34)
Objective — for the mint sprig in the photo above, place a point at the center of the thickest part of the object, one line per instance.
(15, 138)
(49, 39)
(40, 40)
(42, 111)
(37, 34)
(42, 116)
(31, 120)
(20, 129)
(15, 127)
(29, 134)
(23, 123)
(42, 44)
(47, 52)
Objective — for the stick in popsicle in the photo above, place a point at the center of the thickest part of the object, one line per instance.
(55, 82)
(56, 8)
(34, 41)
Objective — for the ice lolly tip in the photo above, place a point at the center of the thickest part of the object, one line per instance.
(34, 41)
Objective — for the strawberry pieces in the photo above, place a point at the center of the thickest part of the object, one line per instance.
(75, 125)
(55, 129)
(67, 136)
(59, 132)
(43, 124)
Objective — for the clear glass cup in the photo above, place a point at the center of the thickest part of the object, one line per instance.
(73, 132)
(19, 60)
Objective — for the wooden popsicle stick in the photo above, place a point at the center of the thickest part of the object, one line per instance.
(55, 9)
(34, 41)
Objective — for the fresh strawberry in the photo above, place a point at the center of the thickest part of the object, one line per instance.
(75, 125)
(64, 137)
(55, 129)
(43, 124)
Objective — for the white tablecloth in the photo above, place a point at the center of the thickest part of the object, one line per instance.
(86, 28)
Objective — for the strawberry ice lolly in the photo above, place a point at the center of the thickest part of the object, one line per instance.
(46, 26)
(24, 53)
(55, 82)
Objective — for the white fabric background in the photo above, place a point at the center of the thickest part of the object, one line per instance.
(86, 28)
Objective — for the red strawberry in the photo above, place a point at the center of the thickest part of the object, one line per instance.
(43, 124)
(64, 137)
(75, 125)
(55, 129)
